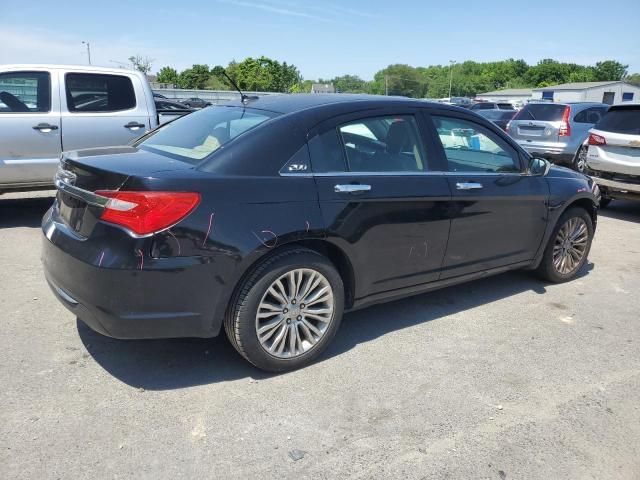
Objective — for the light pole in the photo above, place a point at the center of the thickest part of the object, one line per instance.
(88, 50)
(451, 63)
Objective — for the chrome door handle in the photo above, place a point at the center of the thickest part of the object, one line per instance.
(352, 188)
(45, 127)
(134, 125)
(468, 186)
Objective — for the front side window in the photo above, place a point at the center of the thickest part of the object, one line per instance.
(469, 147)
(90, 92)
(194, 137)
(383, 144)
(25, 92)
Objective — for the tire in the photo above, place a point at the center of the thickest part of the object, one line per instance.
(579, 163)
(290, 319)
(547, 268)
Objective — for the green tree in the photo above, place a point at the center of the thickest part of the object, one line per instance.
(399, 79)
(140, 63)
(633, 79)
(195, 77)
(349, 84)
(609, 70)
(264, 74)
(167, 75)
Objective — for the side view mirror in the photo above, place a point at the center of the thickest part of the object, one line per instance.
(539, 166)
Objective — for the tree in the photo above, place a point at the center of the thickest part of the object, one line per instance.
(264, 74)
(167, 75)
(195, 77)
(633, 79)
(610, 70)
(349, 84)
(141, 64)
(399, 79)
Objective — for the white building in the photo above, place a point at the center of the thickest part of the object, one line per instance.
(516, 96)
(605, 92)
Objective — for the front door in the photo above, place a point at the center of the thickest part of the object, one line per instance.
(380, 199)
(499, 212)
(30, 130)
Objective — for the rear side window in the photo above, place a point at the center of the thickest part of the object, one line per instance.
(25, 92)
(469, 147)
(383, 144)
(546, 112)
(90, 92)
(623, 120)
(590, 115)
(505, 106)
(194, 137)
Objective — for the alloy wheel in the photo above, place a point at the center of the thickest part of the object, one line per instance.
(294, 313)
(570, 245)
(581, 162)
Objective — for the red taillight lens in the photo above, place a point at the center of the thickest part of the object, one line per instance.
(147, 212)
(565, 127)
(597, 139)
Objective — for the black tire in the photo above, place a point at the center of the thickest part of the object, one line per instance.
(240, 322)
(546, 269)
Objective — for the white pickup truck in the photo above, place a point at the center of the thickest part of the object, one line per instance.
(45, 109)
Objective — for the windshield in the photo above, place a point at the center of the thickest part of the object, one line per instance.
(194, 137)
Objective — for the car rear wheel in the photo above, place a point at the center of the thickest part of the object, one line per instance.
(580, 160)
(568, 246)
(287, 310)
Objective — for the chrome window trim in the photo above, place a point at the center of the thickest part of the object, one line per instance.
(418, 174)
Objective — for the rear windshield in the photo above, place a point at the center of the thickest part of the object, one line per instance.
(194, 137)
(621, 121)
(505, 106)
(498, 114)
(547, 112)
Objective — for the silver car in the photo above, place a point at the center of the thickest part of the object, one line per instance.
(556, 131)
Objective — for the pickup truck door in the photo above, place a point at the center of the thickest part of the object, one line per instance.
(102, 109)
(30, 130)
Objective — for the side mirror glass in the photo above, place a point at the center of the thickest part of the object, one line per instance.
(539, 166)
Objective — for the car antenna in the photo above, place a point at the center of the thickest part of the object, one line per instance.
(244, 98)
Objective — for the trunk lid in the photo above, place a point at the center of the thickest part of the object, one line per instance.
(83, 172)
(539, 122)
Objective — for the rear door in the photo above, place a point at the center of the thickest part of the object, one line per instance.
(30, 130)
(499, 212)
(102, 109)
(383, 198)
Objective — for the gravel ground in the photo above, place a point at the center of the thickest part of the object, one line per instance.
(501, 378)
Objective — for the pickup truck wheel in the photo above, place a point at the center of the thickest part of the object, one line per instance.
(568, 246)
(287, 310)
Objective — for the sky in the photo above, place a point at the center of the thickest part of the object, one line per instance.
(322, 38)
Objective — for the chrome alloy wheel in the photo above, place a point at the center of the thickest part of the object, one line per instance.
(570, 245)
(294, 313)
(581, 163)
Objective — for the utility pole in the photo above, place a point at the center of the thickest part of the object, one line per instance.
(88, 50)
(451, 63)
(386, 85)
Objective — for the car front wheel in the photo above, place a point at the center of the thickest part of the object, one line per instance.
(287, 310)
(568, 247)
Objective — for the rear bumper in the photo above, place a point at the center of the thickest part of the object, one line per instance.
(167, 298)
(618, 185)
(558, 155)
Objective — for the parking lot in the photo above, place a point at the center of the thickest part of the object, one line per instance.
(506, 377)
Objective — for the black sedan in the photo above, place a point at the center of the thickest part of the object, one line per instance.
(272, 217)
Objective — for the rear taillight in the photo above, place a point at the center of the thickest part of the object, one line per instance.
(565, 127)
(145, 213)
(597, 139)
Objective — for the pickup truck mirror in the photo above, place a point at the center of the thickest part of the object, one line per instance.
(539, 166)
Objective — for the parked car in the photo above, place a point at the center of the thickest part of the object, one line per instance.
(271, 217)
(492, 106)
(169, 110)
(195, 102)
(46, 109)
(500, 117)
(613, 158)
(556, 131)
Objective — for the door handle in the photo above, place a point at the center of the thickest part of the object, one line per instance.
(45, 127)
(134, 125)
(352, 188)
(468, 186)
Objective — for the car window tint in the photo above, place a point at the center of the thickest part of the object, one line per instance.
(621, 120)
(195, 136)
(541, 111)
(383, 144)
(25, 92)
(90, 92)
(590, 115)
(326, 152)
(484, 106)
(469, 147)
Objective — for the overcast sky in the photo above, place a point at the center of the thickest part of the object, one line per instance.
(322, 38)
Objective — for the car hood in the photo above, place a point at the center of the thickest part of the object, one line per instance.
(557, 171)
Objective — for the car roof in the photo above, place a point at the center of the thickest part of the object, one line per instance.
(290, 103)
(75, 68)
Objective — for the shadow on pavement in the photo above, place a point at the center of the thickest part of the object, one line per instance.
(622, 210)
(23, 212)
(181, 363)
